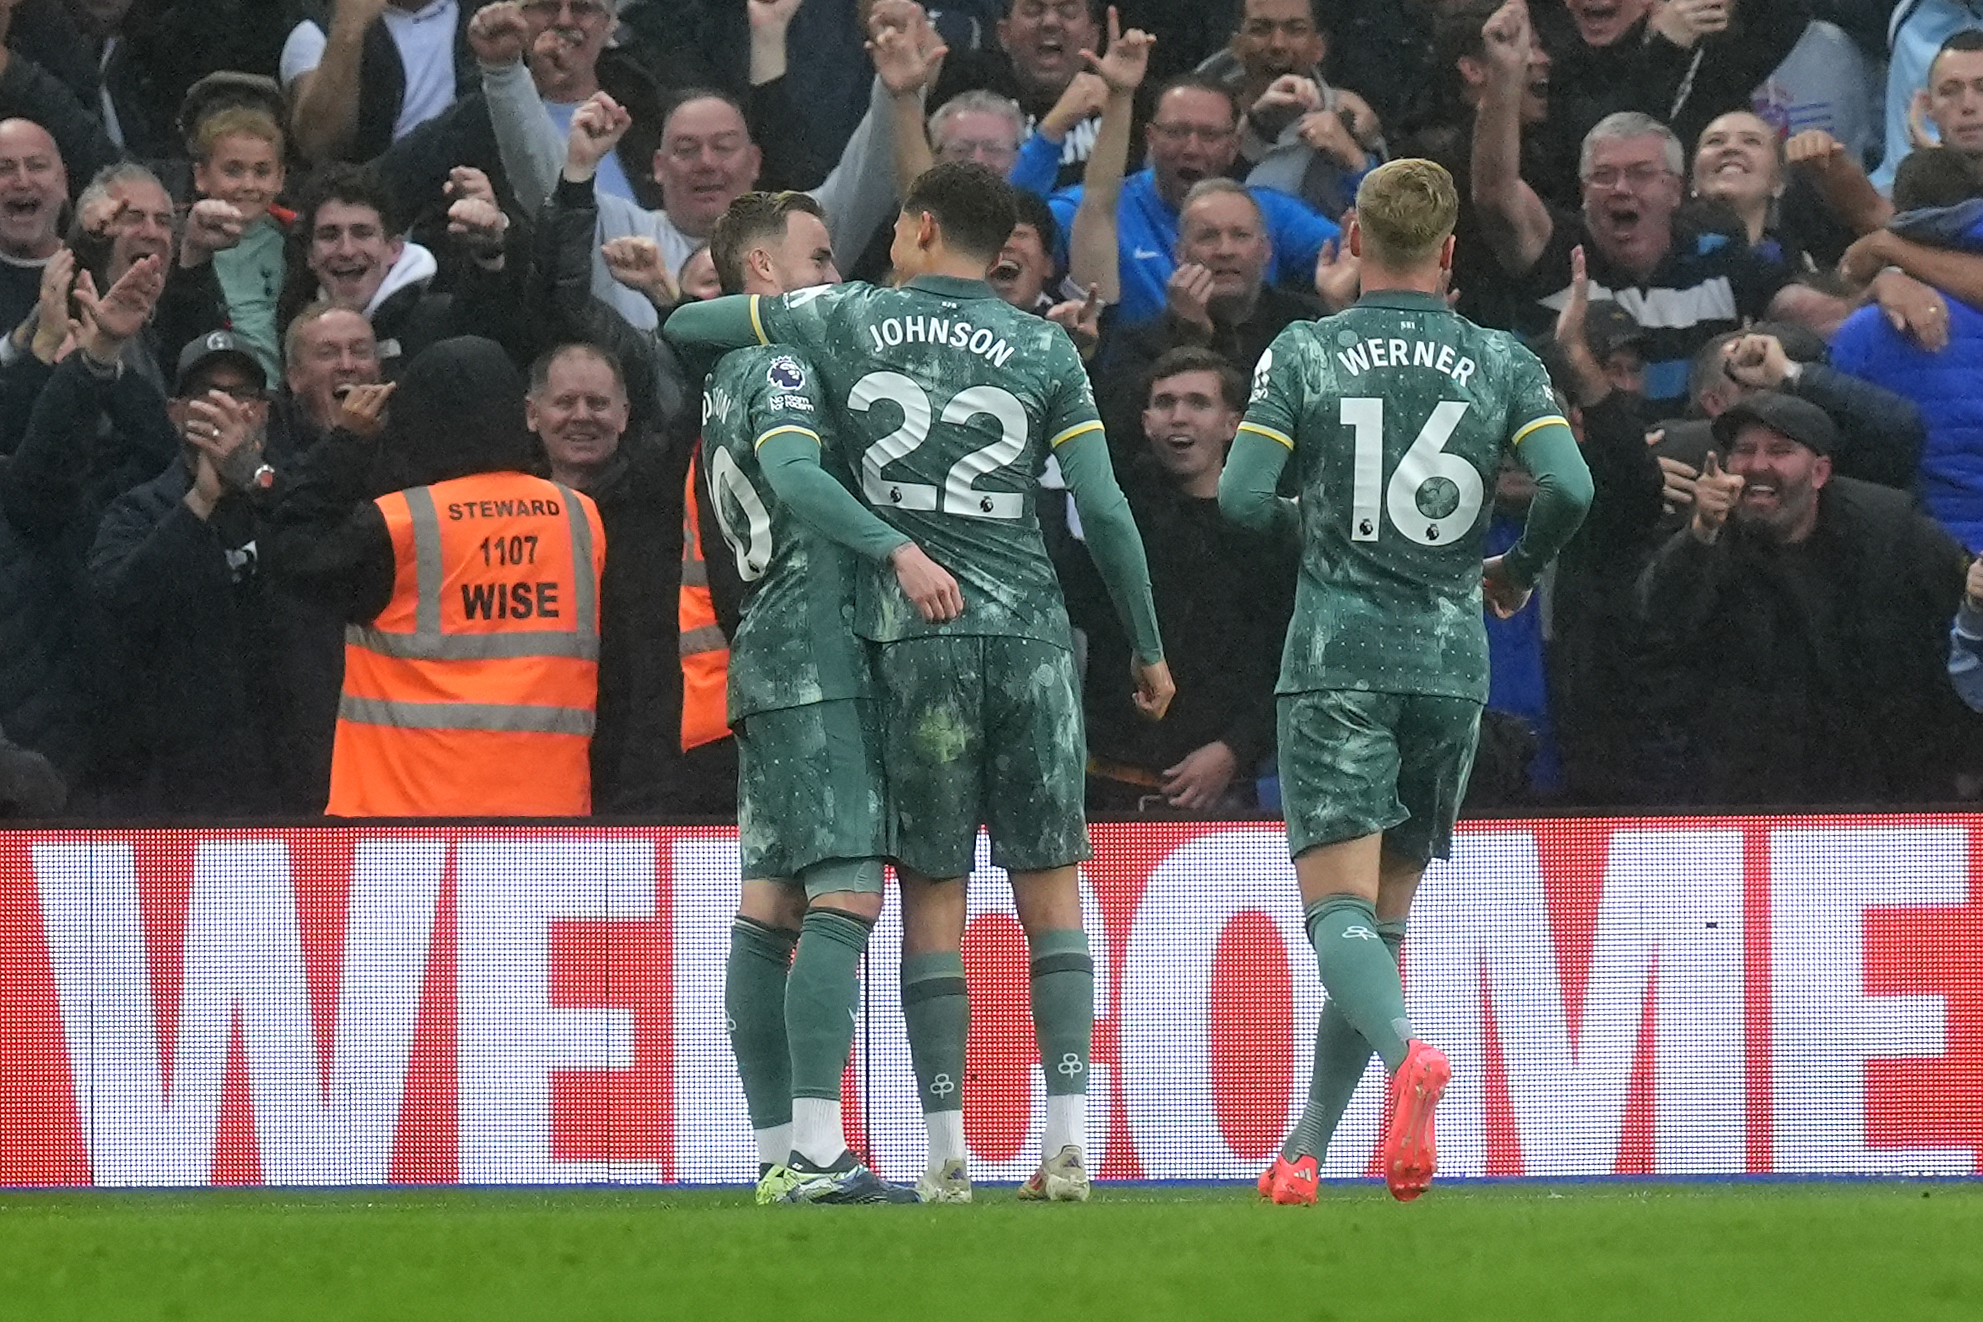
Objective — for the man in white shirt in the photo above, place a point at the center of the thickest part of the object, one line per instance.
(341, 86)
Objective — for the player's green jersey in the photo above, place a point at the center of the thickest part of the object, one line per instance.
(1397, 411)
(796, 644)
(945, 403)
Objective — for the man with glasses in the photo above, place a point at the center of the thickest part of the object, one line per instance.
(1684, 287)
(1193, 135)
(368, 72)
(191, 624)
(978, 126)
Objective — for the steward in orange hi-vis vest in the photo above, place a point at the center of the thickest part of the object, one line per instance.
(473, 693)
(470, 594)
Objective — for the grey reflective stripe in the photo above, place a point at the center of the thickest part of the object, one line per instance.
(695, 574)
(708, 638)
(426, 560)
(586, 592)
(508, 719)
(428, 643)
(474, 646)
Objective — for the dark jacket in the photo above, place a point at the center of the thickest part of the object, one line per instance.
(163, 48)
(415, 169)
(70, 465)
(191, 623)
(1643, 71)
(1600, 695)
(1223, 596)
(638, 766)
(1815, 673)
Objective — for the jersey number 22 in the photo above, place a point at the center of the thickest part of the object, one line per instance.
(958, 495)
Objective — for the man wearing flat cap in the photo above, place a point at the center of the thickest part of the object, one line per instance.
(1802, 619)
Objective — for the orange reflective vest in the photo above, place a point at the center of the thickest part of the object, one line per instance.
(705, 651)
(473, 692)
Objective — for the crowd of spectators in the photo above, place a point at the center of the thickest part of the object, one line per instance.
(1746, 236)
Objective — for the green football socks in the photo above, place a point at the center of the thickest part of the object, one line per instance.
(822, 998)
(938, 1015)
(1063, 987)
(1360, 974)
(1341, 1056)
(754, 1005)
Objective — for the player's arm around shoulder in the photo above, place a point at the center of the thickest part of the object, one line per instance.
(730, 322)
(787, 420)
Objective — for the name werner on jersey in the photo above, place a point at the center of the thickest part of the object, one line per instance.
(1367, 354)
(897, 331)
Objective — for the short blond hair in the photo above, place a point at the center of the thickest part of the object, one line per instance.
(1406, 209)
(245, 121)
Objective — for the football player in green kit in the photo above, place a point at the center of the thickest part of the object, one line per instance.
(1395, 414)
(811, 814)
(948, 402)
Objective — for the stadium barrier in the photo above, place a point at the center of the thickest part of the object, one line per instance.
(1687, 997)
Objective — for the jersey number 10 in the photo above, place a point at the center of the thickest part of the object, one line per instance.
(958, 496)
(1432, 498)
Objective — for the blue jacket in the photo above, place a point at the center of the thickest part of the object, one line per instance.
(1146, 237)
(1943, 385)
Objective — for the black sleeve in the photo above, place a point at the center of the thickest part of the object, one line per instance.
(1720, 71)
(29, 92)
(1882, 432)
(147, 568)
(560, 287)
(1681, 588)
(792, 159)
(1627, 482)
(190, 306)
(1251, 734)
(415, 168)
(560, 294)
(490, 303)
(20, 386)
(327, 540)
(41, 488)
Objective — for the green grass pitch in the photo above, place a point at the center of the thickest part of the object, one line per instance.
(1866, 1252)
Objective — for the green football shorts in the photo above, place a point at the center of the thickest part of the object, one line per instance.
(983, 730)
(810, 788)
(1355, 763)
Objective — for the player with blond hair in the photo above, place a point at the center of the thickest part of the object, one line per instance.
(1395, 414)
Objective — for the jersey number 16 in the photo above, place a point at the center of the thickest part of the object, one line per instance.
(1432, 497)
